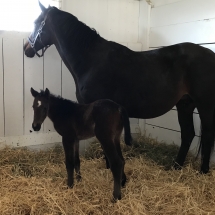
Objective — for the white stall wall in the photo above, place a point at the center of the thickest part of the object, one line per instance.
(171, 22)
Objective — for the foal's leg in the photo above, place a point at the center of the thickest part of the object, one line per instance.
(114, 159)
(106, 159)
(118, 148)
(185, 108)
(77, 161)
(206, 115)
(69, 149)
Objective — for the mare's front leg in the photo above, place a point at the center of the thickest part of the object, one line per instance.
(69, 149)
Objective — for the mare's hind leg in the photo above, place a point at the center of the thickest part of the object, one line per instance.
(206, 115)
(185, 108)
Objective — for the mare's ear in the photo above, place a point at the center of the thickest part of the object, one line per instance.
(43, 9)
(47, 93)
(34, 92)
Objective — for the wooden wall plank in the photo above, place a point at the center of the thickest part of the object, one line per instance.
(1, 91)
(52, 78)
(159, 3)
(181, 12)
(33, 77)
(135, 46)
(169, 137)
(196, 32)
(170, 121)
(123, 17)
(115, 20)
(96, 17)
(13, 79)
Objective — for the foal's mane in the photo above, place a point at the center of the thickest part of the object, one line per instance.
(64, 107)
(59, 99)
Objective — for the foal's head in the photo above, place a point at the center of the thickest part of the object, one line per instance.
(40, 106)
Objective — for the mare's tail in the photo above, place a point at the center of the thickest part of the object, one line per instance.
(126, 125)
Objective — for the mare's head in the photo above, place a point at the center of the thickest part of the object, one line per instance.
(40, 106)
(40, 38)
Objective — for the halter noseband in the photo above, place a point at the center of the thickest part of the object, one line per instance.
(39, 32)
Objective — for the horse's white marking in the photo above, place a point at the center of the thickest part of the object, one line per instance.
(39, 103)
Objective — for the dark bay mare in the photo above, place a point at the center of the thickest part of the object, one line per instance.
(147, 84)
(103, 118)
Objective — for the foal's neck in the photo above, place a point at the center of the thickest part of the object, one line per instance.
(60, 108)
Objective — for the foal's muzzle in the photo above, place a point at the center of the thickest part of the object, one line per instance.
(36, 127)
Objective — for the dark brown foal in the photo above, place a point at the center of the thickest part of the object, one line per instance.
(103, 118)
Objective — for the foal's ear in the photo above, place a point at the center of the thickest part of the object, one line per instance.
(34, 92)
(47, 93)
(43, 9)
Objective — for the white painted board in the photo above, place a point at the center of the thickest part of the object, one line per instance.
(13, 83)
(33, 77)
(2, 130)
(182, 12)
(170, 121)
(196, 32)
(52, 78)
(68, 84)
(169, 137)
(158, 3)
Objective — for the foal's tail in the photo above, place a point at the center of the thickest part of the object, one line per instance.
(126, 125)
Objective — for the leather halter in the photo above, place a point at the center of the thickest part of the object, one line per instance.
(39, 32)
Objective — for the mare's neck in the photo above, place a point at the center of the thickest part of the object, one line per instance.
(73, 40)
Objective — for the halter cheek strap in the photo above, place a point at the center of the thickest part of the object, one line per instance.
(39, 32)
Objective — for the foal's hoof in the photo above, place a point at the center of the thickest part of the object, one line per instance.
(114, 199)
(78, 178)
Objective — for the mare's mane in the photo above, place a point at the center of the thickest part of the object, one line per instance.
(72, 31)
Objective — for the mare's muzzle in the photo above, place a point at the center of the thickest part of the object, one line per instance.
(36, 127)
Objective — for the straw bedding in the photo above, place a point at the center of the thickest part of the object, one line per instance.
(33, 182)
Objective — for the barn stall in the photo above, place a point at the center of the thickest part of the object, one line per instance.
(139, 25)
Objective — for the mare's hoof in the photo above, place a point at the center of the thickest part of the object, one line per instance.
(204, 170)
(70, 185)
